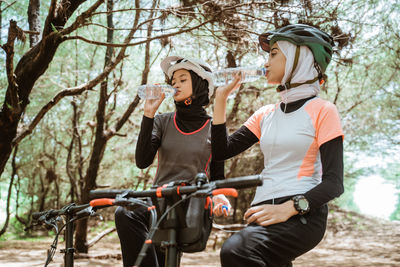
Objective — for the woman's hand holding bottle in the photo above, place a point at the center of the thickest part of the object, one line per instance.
(223, 92)
(222, 206)
(151, 106)
(221, 95)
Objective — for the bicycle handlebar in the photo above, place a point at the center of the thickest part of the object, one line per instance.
(37, 215)
(70, 209)
(238, 183)
(214, 188)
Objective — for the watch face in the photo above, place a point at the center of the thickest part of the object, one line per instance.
(303, 204)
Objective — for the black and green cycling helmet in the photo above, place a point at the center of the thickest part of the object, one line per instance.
(318, 41)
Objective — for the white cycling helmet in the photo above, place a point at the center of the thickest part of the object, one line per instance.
(169, 66)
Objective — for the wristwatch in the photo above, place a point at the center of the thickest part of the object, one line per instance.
(301, 204)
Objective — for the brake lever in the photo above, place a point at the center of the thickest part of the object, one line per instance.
(88, 212)
(131, 203)
(52, 223)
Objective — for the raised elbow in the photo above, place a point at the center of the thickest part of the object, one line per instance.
(142, 163)
(339, 190)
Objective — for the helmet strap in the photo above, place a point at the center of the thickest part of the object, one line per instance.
(321, 77)
(288, 85)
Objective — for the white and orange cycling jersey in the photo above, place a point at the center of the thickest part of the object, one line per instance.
(290, 143)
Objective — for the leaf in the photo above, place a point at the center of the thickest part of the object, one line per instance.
(9, 106)
(53, 27)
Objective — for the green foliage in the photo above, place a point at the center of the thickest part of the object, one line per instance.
(15, 231)
(53, 27)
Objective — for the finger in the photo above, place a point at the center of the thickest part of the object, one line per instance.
(225, 210)
(263, 218)
(250, 211)
(218, 210)
(238, 76)
(268, 222)
(160, 100)
(216, 213)
(235, 83)
(253, 217)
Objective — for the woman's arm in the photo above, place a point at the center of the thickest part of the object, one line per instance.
(217, 170)
(224, 147)
(147, 144)
(331, 185)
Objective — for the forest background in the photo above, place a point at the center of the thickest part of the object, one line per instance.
(70, 113)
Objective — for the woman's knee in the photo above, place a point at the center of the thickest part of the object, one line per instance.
(121, 216)
(230, 247)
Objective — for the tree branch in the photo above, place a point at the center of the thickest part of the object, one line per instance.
(132, 106)
(39, 116)
(59, 14)
(12, 97)
(93, 241)
(137, 43)
(78, 89)
(81, 19)
(9, 5)
(50, 17)
(135, 102)
(339, 88)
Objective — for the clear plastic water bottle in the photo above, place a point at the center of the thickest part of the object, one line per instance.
(248, 74)
(153, 91)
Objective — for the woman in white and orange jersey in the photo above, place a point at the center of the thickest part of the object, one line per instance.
(302, 143)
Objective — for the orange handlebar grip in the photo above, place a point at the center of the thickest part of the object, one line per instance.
(102, 202)
(225, 191)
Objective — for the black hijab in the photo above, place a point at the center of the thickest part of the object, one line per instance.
(190, 117)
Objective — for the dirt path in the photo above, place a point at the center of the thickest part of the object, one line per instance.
(352, 240)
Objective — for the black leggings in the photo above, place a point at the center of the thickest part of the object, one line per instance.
(132, 228)
(274, 245)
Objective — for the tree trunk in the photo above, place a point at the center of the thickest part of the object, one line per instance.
(100, 139)
(13, 174)
(34, 21)
(1, 19)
